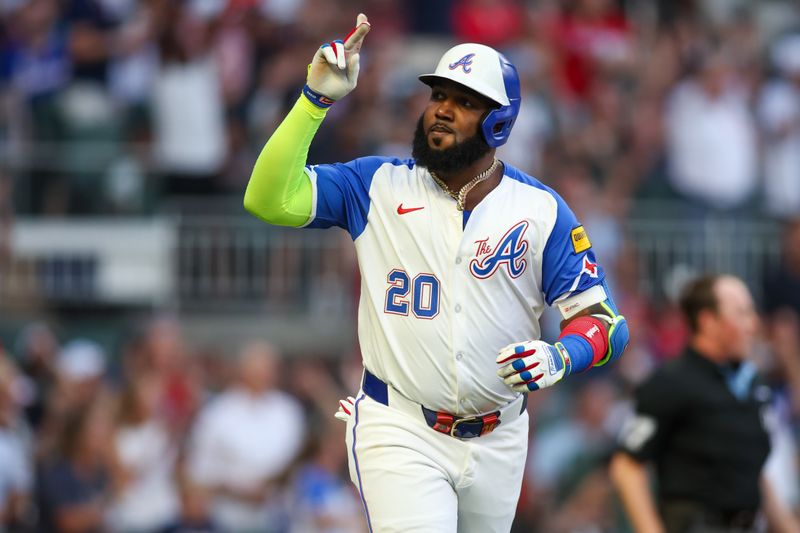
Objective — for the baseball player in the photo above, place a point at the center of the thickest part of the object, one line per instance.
(459, 254)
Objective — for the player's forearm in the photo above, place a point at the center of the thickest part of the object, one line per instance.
(592, 332)
(279, 191)
(633, 485)
(586, 340)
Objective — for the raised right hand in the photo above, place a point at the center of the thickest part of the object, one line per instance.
(333, 72)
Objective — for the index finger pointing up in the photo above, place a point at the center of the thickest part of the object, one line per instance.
(354, 39)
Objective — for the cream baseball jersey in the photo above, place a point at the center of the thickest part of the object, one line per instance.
(443, 290)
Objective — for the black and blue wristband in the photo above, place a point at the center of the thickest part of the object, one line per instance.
(317, 99)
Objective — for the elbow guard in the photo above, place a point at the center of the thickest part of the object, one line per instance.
(618, 334)
(594, 340)
(618, 337)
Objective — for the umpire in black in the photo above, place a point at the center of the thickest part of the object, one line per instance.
(699, 421)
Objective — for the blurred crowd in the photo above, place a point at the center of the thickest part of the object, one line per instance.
(159, 437)
(116, 106)
(119, 107)
(160, 434)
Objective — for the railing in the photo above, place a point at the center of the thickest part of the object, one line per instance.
(241, 263)
(668, 250)
(119, 261)
(211, 263)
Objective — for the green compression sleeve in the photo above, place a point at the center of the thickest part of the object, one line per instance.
(279, 191)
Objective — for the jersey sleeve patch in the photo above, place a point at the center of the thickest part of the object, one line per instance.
(637, 431)
(660, 403)
(565, 270)
(580, 240)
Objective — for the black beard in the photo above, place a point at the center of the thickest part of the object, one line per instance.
(449, 160)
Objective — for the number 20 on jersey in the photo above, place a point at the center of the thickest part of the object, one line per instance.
(421, 294)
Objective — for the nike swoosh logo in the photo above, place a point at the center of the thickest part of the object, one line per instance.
(403, 210)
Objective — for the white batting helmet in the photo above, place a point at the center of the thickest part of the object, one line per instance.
(487, 72)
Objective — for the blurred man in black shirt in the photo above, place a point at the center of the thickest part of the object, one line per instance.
(699, 419)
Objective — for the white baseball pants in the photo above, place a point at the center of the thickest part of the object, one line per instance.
(413, 479)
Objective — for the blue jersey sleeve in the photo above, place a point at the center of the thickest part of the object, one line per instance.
(568, 263)
(342, 193)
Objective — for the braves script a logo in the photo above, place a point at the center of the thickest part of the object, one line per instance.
(510, 251)
(465, 63)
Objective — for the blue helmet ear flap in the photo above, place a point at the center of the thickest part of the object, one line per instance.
(496, 127)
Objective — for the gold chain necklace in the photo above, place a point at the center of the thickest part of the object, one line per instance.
(461, 196)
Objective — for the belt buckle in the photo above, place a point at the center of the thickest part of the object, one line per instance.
(462, 421)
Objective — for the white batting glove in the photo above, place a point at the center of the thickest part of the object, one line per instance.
(346, 408)
(532, 365)
(333, 72)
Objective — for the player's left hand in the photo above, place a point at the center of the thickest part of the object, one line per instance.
(532, 365)
(346, 408)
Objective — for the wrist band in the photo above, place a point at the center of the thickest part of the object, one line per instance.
(593, 335)
(317, 99)
(565, 356)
